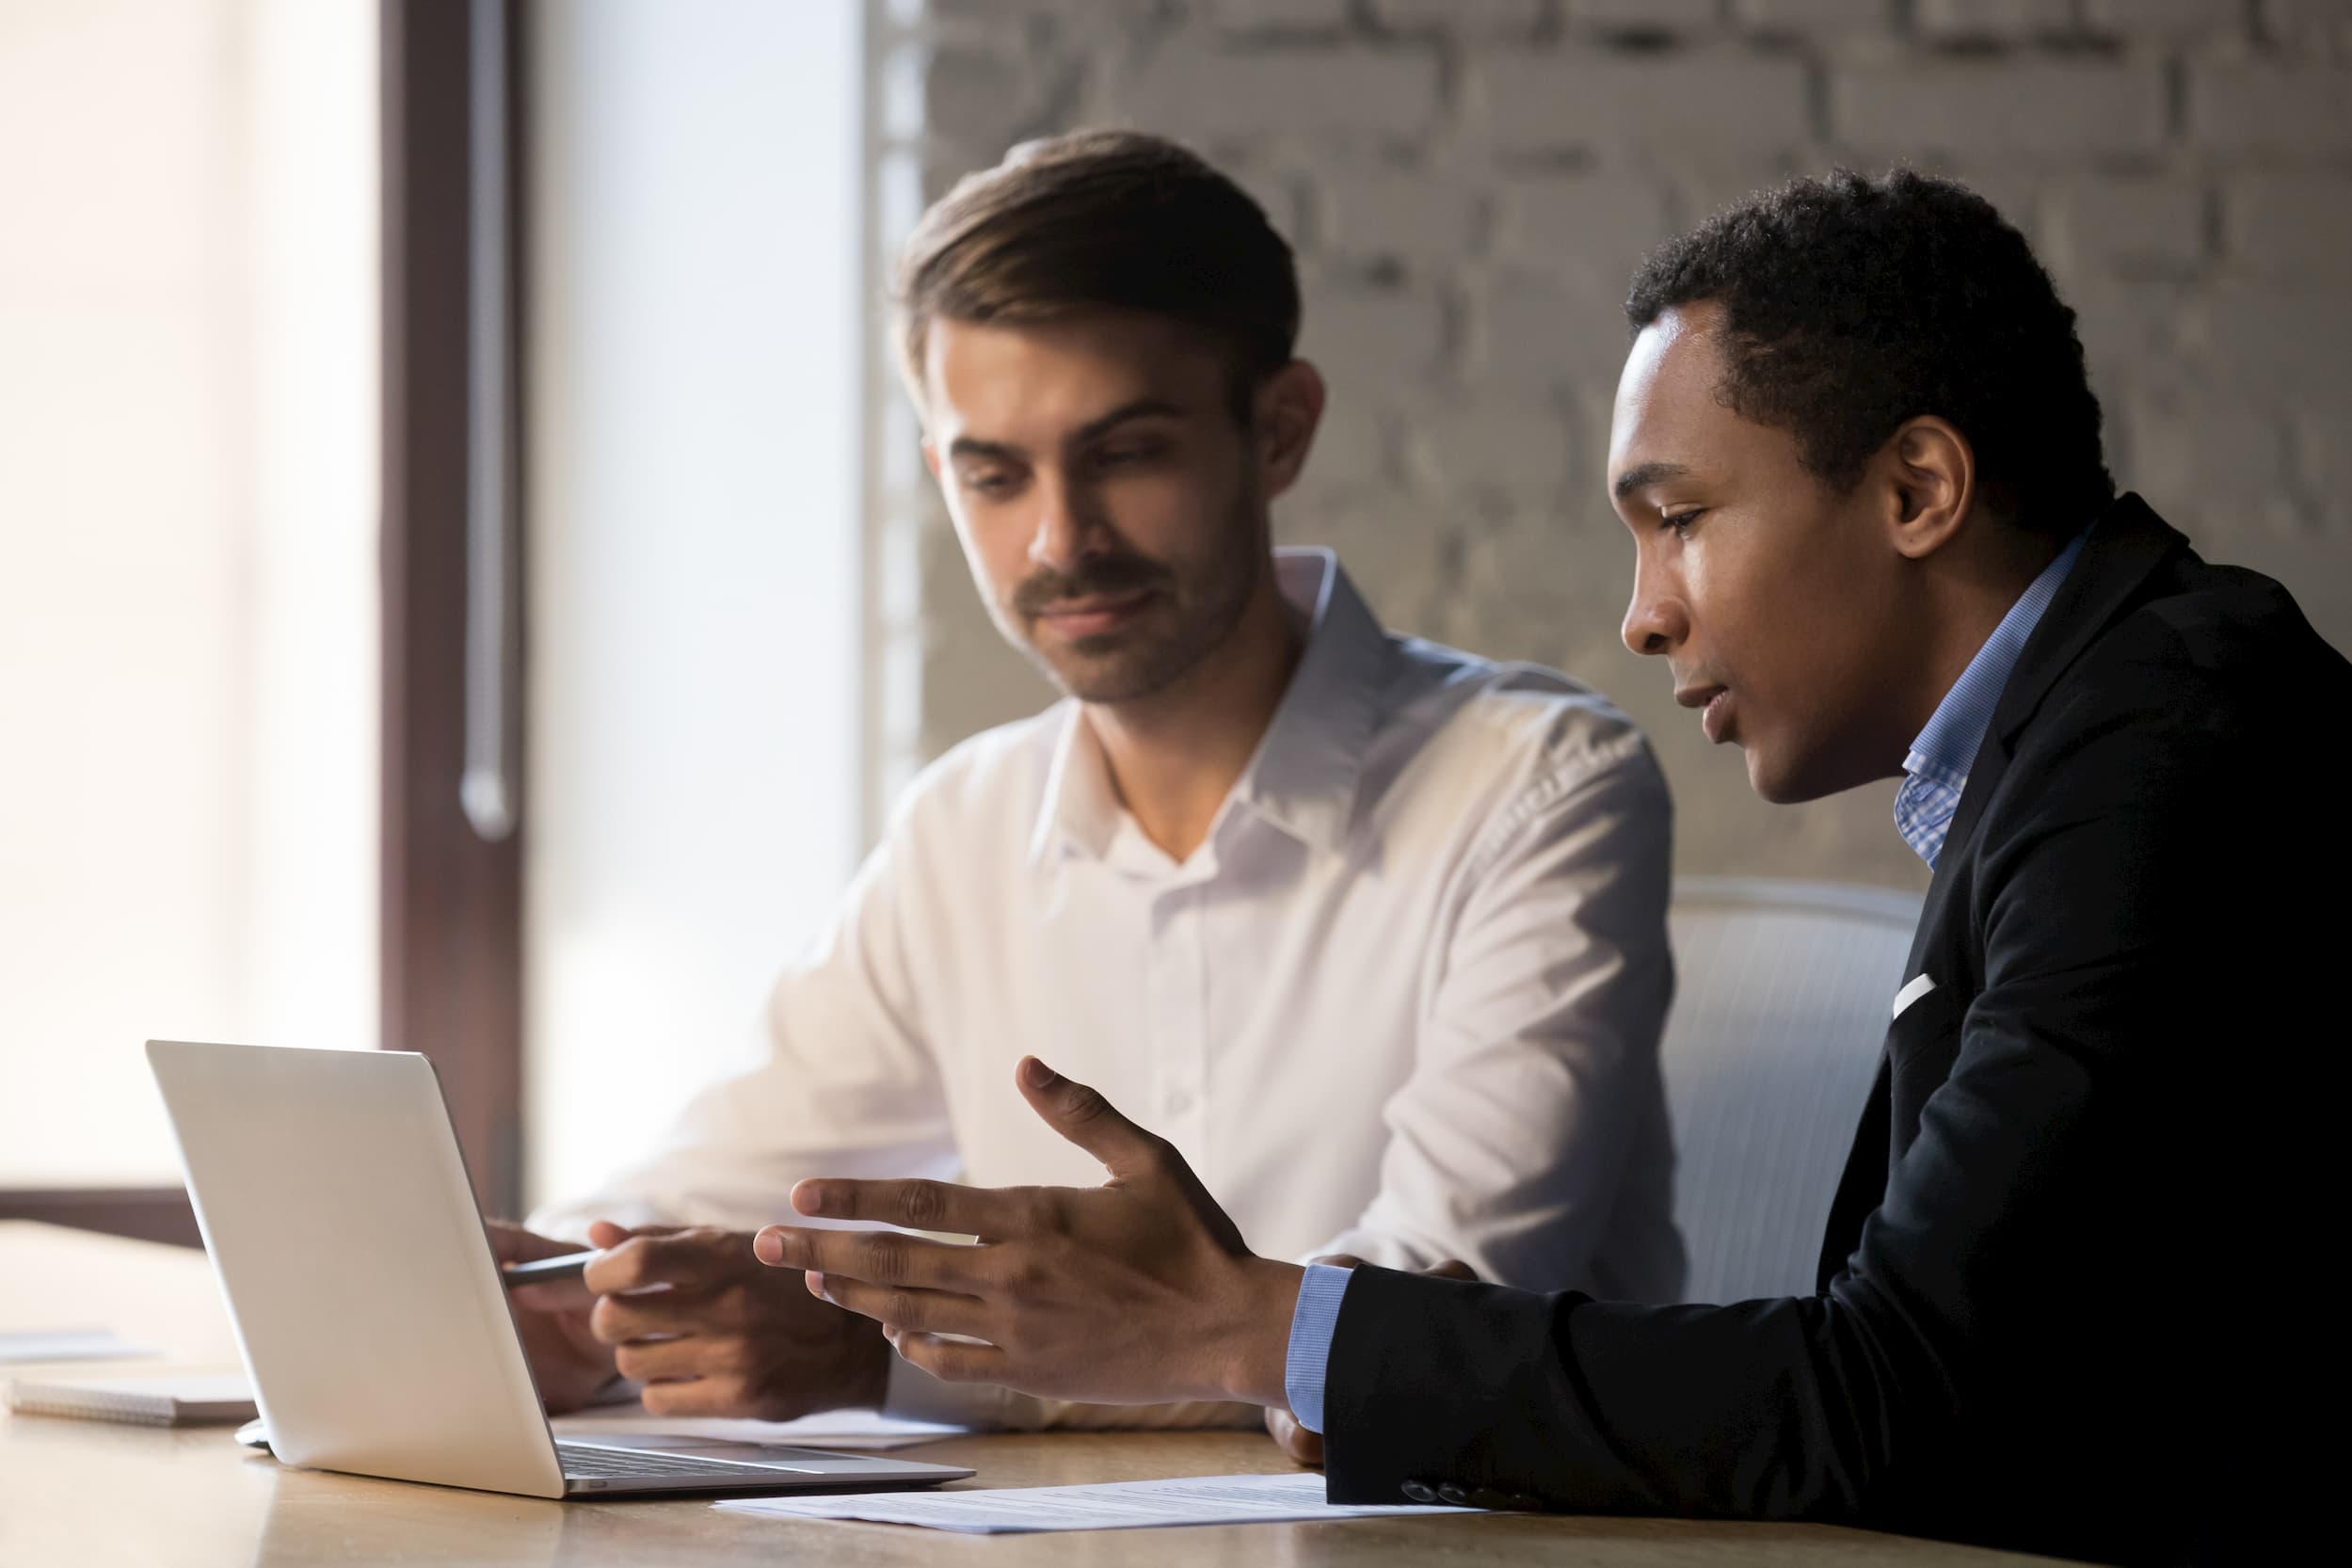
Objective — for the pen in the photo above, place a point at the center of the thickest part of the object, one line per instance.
(547, 1270)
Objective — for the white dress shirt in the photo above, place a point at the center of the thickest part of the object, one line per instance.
(1403, 1002)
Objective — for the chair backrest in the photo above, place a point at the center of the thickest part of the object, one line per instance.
(1783, 992)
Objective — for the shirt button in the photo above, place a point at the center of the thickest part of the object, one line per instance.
(1419, 1492)
(1454, 1494)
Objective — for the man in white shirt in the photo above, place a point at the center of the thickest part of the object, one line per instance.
(1374, 929)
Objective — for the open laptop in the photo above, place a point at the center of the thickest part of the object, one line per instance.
(334, 1201)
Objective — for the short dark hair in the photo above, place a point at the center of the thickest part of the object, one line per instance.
(1104, 219)
(1852, 304)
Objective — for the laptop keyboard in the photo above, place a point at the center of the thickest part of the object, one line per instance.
(587, 1464)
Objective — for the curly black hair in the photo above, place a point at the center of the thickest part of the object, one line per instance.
(1851, 304)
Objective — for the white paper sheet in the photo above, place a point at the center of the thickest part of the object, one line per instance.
(1111, 1506)
(68, 1344)
(865, 1431)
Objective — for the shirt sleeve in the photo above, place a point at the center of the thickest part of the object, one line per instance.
(1536, 1091)
(845, 1085)
(1311, 1325)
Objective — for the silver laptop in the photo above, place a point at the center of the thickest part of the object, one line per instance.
(373, 1322)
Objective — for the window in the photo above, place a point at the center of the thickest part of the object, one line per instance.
(243, 421)
(188, 596)
(692, 381)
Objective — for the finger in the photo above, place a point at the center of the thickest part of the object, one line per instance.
(876, 1257)
(939, 1206)
(568, 1295)
(895, 1307)
(511, 1243)
(667, 1360)
(1085, 1118)
(714, 1395)
(952, 1360)
(1339, 1260)
(604, 1235)
(1453, 1267)
(618, 1320)
(676, 1258)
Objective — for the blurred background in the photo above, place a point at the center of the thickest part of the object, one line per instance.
(467, 580)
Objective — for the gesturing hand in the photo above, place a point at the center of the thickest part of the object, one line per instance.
(692, 1316)
(1138, 1290)
(1305, 1447)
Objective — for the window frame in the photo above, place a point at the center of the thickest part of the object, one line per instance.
(452, 915)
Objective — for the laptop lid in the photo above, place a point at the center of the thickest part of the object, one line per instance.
(334, 1201)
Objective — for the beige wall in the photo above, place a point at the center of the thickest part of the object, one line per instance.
(1469, 182)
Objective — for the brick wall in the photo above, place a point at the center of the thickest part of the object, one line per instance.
(1468, 184)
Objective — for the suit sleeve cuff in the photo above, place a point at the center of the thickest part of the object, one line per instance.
(1312, 1322)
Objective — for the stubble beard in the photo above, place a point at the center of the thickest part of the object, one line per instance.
(1198, 611)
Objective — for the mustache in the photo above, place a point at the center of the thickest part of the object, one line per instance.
(1097, 577)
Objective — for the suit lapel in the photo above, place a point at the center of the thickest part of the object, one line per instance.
(2123, 551)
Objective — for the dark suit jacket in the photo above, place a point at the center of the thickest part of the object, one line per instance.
(2069, 1287)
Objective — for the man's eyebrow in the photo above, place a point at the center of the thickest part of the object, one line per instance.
(1643, 476)
(1143, 408)
(1002, 451)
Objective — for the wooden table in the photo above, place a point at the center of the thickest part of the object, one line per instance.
(94, 1494)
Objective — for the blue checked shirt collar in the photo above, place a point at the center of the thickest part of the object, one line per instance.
(1937, 769)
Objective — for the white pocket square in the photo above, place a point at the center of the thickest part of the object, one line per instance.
(1910, 993)
(1919, 986)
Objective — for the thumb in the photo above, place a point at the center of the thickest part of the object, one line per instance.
(1085, 1118)
(604, 1234)
(1301, 1445)
(1453, 1267)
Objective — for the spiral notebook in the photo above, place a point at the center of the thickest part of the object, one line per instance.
(174, 1400)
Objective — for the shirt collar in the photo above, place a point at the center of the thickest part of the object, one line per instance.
(1302, 777)
(1080, 810)
(1947, 746)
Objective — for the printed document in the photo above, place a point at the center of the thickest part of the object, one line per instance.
(1113, 1506)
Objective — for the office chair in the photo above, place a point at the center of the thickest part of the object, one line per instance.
(1782, 994)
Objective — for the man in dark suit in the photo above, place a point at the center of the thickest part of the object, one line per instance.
(1860, 458)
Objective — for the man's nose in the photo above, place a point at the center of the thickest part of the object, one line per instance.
(1065, 532)
(1657, 621)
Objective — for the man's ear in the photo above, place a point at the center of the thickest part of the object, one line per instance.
(1928, 471)
(1286, 409)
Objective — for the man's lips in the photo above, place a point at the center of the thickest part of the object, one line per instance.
(1714, 705)
(1089, 617)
